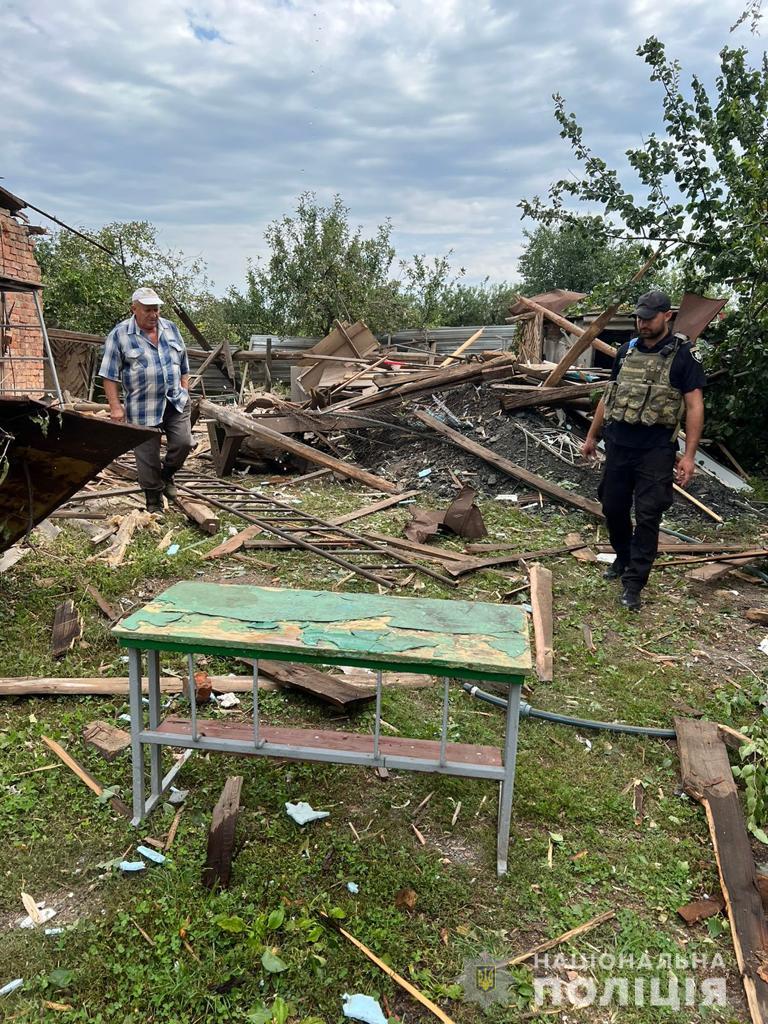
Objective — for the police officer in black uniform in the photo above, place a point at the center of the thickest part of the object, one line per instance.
(657, 379)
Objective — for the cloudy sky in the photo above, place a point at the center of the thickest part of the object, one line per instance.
(209, 118)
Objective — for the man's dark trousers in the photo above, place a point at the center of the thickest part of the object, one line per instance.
(178, 437)
(645, 474)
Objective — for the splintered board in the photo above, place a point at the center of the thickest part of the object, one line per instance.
(472, 640)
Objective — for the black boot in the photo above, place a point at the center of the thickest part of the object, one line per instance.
(169, 487)
(154, 501)
(614, 571)
(630, 599)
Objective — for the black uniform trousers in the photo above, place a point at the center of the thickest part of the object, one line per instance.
(645, 475)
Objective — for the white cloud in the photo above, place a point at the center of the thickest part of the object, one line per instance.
(209, 118)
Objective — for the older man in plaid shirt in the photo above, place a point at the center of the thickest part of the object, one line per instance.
(146, 354)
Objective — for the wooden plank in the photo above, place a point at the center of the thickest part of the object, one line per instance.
(370, 510)
(715, 570)
(233, 544)
(240, 422)
(452, 376)
(199, 513)
(479, 564)
(444, 556)
(51, 686)
(221, 835)
(462, 348)
(84, 776)
(539, 396)
(541, 603)
(699, 504)
(198, 375)
(67, 627)
(583, 553)
(331, 689)
(566, 325)
(511, 468)
(583, 343)
(706, 775)
(331, 739)
(109, 611)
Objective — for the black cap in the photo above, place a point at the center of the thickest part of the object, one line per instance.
(652, 303)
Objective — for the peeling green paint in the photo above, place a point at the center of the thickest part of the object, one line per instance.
(476, 636)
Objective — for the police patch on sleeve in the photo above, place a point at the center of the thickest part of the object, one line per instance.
(696, 355)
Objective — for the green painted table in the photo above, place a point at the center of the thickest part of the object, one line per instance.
(452, 639)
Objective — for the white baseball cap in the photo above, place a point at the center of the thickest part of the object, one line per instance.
(147, 297)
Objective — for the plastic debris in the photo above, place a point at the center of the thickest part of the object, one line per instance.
(364, 1008)
(353, 887)
(763, 646)
(43, 913)
(53, 931)
(130, 866)
(123, 718)
(172, 549)
(11, 986)
(154, 855)
(607, 557)
(507, 497)
(302, 813)
(424, 472)
(226, 700)
(178, 796)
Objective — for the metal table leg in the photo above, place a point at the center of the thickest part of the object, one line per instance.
(155, 750)
(137, 722)
(508, 784)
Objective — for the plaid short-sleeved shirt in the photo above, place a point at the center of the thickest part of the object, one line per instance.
(150, 375)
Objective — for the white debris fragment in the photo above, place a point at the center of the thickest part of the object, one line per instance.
(154, 855)
(130, 866)
(43, 913)
(302, 813)
(226, 700)
(763, 645)
(353, 887)
(607, 557)
(11, 986)
(178, 796)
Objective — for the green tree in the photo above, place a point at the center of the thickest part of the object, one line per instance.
(87, 289)
(702, 189)
(578, 255)
(467, 305)
(318, 269)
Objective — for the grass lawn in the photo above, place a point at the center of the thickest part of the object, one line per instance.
(158, 947)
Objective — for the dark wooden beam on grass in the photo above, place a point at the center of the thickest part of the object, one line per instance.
(221, 835)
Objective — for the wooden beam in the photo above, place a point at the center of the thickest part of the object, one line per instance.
(84, 776)
(529, 397)
(67, 627)
(541, 604)
(706, 775)
(462, 348)
(32, 686)
(566, 325)
(239, 422)
(584, 342)
(539, 483)
(198, 374)
(370, 510)
(221, 835)
(199, 513)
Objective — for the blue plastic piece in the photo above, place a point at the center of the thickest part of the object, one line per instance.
(363, 1008)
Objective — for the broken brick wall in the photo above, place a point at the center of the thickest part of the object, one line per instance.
(17, 260)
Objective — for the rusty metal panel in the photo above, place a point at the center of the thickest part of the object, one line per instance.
(51, 454)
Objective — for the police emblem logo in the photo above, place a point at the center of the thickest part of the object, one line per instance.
(485, 978)
(696, 355)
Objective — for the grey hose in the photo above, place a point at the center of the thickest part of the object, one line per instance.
(526, 711)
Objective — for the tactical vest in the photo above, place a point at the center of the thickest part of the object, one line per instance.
(642, 394)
